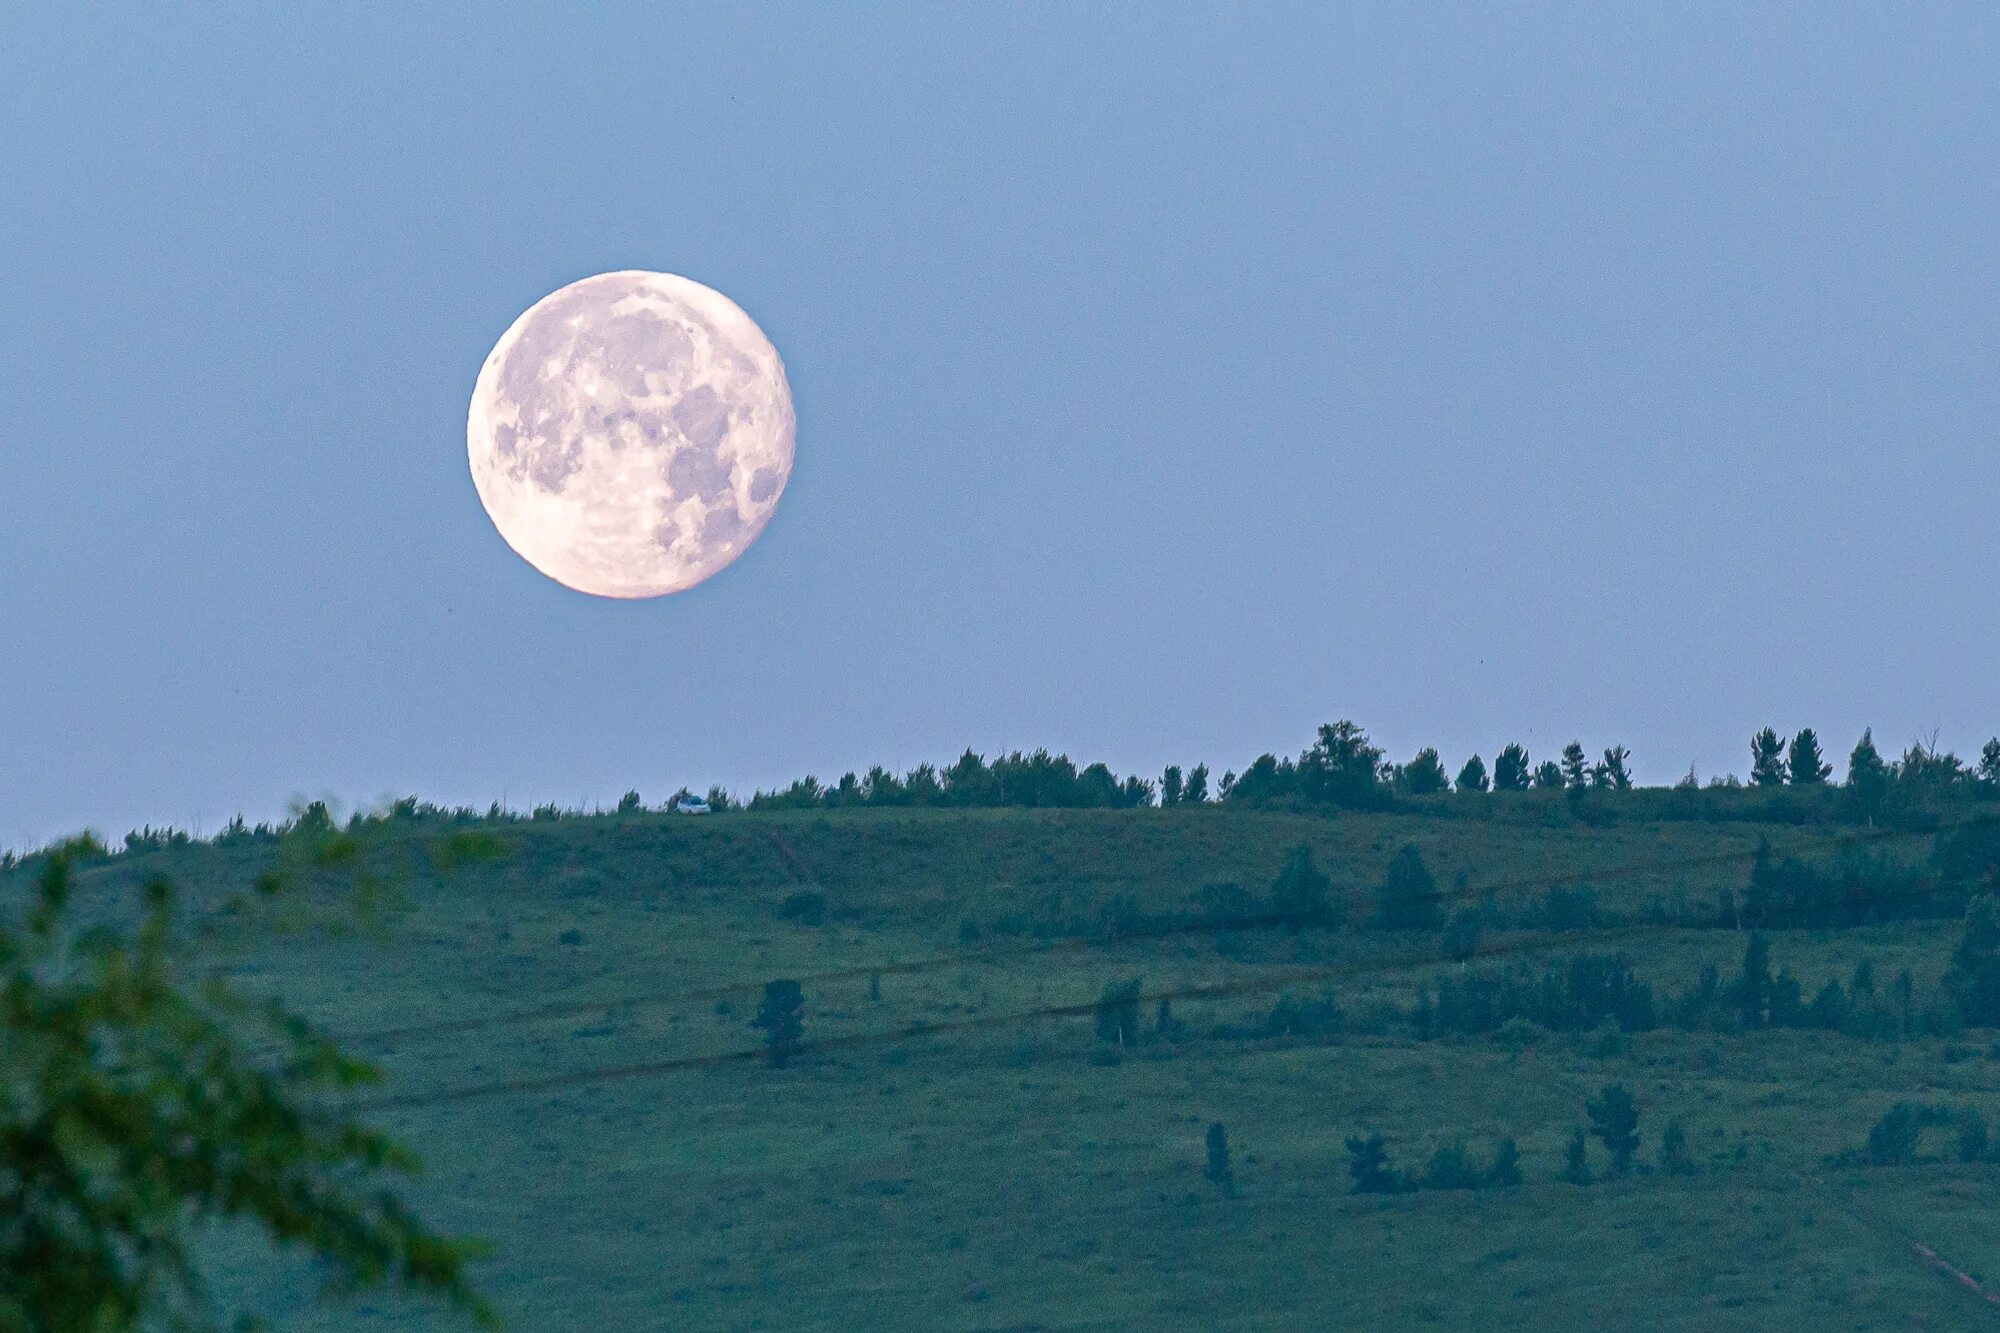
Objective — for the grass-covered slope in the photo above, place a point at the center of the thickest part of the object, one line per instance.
(947, 1160)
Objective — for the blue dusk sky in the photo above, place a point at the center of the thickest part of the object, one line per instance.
(1169, 380)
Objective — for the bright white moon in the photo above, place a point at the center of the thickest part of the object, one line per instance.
(631, 433)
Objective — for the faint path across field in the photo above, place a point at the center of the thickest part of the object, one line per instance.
(1931, 1258)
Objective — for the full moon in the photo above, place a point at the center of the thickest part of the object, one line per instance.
(631, 433)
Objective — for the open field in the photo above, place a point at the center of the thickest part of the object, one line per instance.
(945, 1163)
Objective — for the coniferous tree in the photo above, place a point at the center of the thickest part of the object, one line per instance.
(1549, 775)
(1505, 1173)
(1342, 767)
(1767, 759)
(1368, 1166)
(782, 1015)
(1423, 775)
(1753, 987)
(1614, 1119)
(1614, 772)
(1450, 1169)
(1867, 775)
(1675, 1159)
(1170, 785)
(1218, 1169)
(1974, 979)
(1408, 898)
(1118, 1013)
(1575, 768)
(1473, 776)
(1989, 763)
(1196, 791)
(1576, 1159)
(1299, 895)
(1511, 771)
(1461, 936)
(1804, 763)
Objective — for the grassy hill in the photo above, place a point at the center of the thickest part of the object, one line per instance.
(953, 1150)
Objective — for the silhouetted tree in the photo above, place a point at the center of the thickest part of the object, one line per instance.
(1614, 1119)
(1974, 979)
(1423, 775)
(1575, 768)
(881, 787)
(1450, 1169)
(1767, 759)
(1576, 1159)
(1342, 767)
(1118, 1013)
(1505, 1173)
(1549, 775)
(630, 804)
(1989, 763)
(782, 1015)
(1368, 1166)
(1218, 1169)
(1408, 898)
(1299, 894)
(1473, 776)
(1893, 1139)
(1867, 775)
(1461, 936)
(1170, 785)
(1196, 791)
(1614, 772)
(1675, 1160)
(1511, 770)
(1751, 991)
(970, 782)
(1804, 763)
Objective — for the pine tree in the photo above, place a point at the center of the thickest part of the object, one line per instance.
(782, 1015)
(1804, 763)
(1974, 979)
(1196, 791)
(1170, 785)
(1614, 1119)
(1424, 775)
(1576, 1159)
(1368, 1166)
(1575, 768)
(1450, 1169)
(1867, 775)
(1473, 776)
(1614, 772)
(1675, 1160)
(1118, 1013)
(1505, 1173)
(1511, 770)
(1218, 1169)
(1299, 895)
(1752, 988)
(1408, 898)
(1988, 771)
(1767, 759)
(1549, 775)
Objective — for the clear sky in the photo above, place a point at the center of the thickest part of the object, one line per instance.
(1168, 381)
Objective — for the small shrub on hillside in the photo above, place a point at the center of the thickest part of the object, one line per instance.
(1369, 1168)
(782, 1017)
(1576, 1159)
(1450, 1169)
(1118, 1013)
(1675, 1159)
(1974, 1139)
(1505, 1173)
(1614, 1119)
(1408, 898)
(807, 907)
(1218, 1169)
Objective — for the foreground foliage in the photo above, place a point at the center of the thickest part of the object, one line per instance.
(138, 1104)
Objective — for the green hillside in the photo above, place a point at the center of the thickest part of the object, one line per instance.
(965, 1139)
